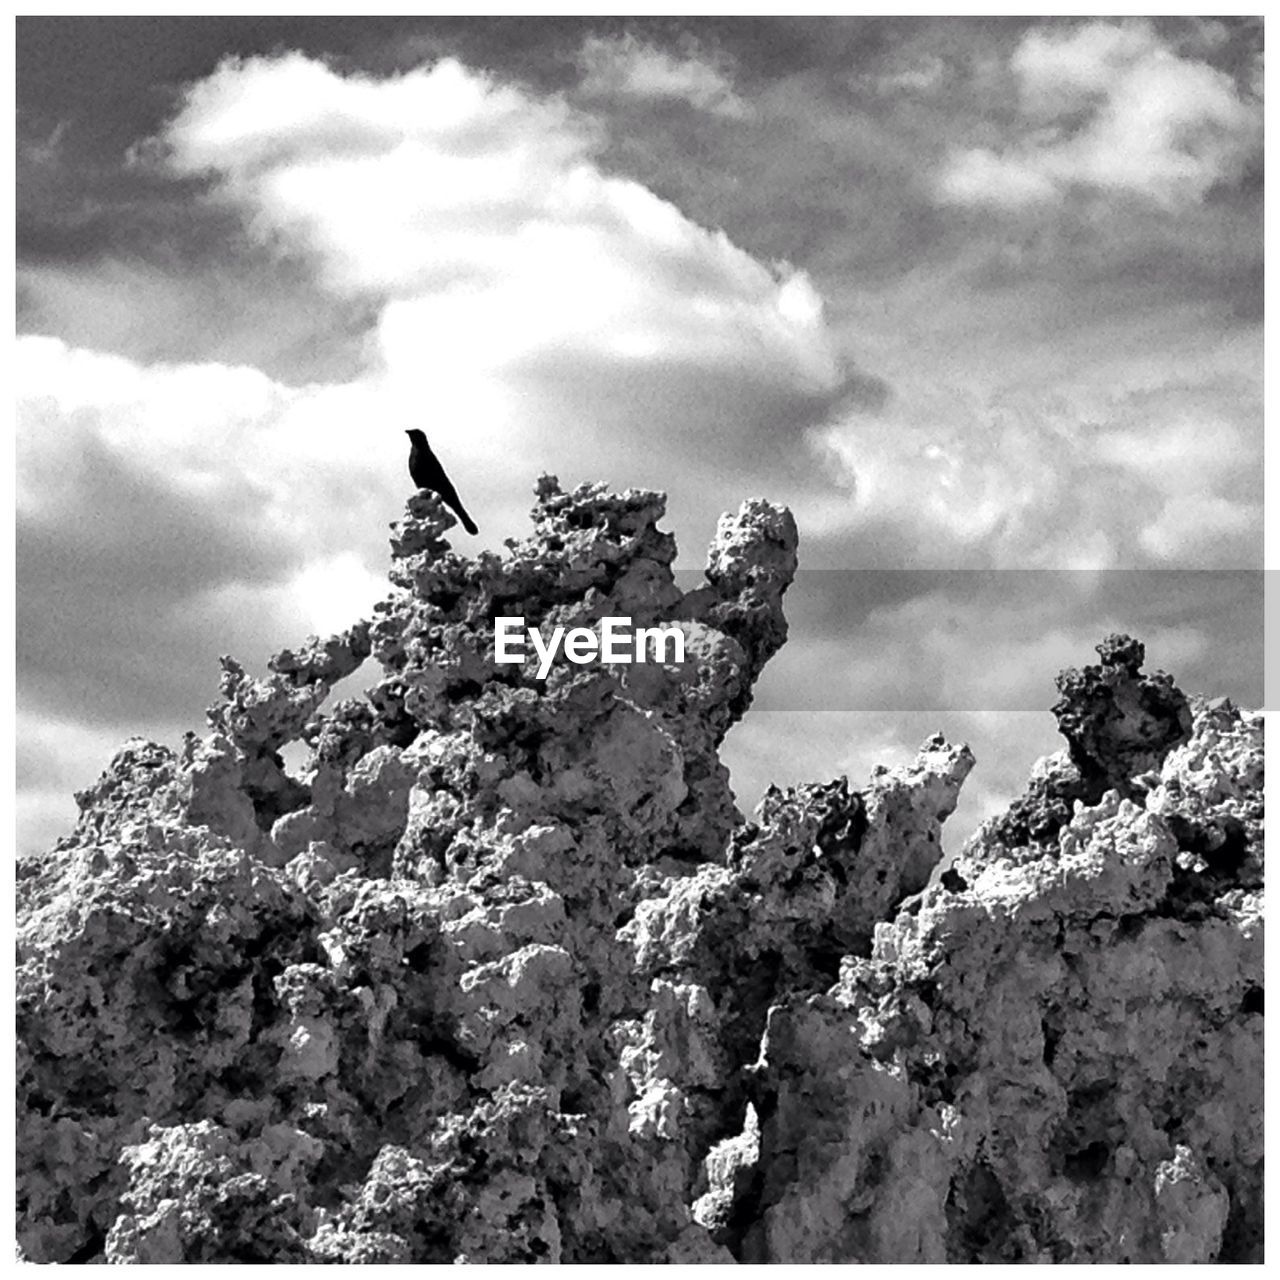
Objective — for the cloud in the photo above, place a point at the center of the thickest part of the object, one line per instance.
(44, 150)
(913, 75)
(208, 443)
(992, 640)
(438, 180)
(512, 276)
(231, 313)
(975, 486)
(1149, 471)
(478, 215)
(169, 513)
(625, 66)
(1110, 107)
(1185, 527)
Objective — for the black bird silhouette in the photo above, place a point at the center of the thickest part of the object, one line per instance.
(427, 473)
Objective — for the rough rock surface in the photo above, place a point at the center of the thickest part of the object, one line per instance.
(502, 976)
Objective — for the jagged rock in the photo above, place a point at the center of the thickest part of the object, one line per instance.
(501, 975)
(1117, 722)
(1035, 1043)
(1119, 725)
(196, 1194)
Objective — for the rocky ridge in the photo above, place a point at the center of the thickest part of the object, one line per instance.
(502, 976)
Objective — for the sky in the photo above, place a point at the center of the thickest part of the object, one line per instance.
(979, 299)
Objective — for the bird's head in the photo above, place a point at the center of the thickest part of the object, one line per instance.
(416, 436)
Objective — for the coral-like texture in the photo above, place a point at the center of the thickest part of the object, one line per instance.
(501, 975)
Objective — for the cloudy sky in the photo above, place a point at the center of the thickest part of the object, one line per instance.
(979, 299)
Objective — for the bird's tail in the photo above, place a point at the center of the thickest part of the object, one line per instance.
(467, 522)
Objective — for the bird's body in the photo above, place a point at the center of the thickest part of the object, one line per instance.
(427, 473)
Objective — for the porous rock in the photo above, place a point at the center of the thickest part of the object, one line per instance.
(501, 975)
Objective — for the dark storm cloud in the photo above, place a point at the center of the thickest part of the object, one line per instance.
(109, 586)
(89, 91)
(975, 641)
(120, 257)
(1087, 262)
(255, 310)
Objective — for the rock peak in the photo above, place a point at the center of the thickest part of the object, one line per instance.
(501, 975)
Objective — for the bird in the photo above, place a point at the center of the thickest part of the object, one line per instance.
(427, 473)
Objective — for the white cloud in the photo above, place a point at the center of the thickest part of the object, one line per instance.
(972, 485)
(394, 186)
(334, 592)
(477, 214)
(179, 418)
(1062, 71)
(981, 176)
(531, 310)
(1110, 106)
(1185, 453)
(921, 75)
(625, 66)
(1066, 478)
(1187, 525)
(242, 449)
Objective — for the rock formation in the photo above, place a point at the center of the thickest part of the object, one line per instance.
(502, 975)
